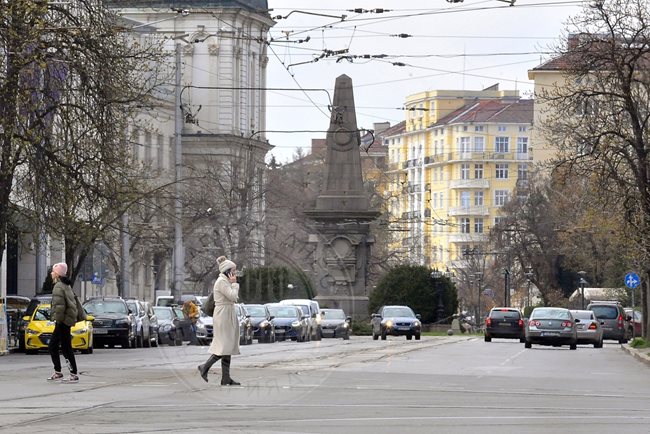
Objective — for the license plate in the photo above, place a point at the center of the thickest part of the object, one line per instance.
(100, 331)
(279, 331)
(507, 324)
(402, 328)
(550, 334)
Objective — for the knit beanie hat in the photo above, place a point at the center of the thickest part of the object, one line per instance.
(61, 269)
(225, 264)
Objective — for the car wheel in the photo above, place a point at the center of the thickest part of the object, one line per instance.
(347, 337)
(409, 337)
(598, 344)
(573, 346)
(147, 342)
(21, 344)
(417, 336)
(487, 338)
(319, 334)
(383, 335)
(522, 340)
(139, 341)
(179, 340)
(528, 344)
(622, 341)
(155, 341)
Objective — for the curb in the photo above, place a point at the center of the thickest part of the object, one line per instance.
(641, 355)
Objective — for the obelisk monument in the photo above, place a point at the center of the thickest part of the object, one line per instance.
(342, 215)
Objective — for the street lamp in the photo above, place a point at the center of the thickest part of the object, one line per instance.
(529, 276)
(582, 288)
(506, 293)
(435, 275)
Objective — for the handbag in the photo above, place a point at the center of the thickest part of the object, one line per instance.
(208, 306)
(81, 313)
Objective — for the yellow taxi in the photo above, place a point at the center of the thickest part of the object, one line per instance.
(40, 328)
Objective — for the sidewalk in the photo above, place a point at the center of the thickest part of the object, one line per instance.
(642, 354)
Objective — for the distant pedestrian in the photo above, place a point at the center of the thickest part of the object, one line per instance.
(64, 315)
(225, 341)
(191, 311)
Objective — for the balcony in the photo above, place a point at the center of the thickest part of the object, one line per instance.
(469, 183)
(468, 238)
(468, 211)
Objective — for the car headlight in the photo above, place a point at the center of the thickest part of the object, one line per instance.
(31, 331)
(295, 324)
(346, 325)
(388, 323)
(416, 324)
(200, 325)
(264, 324)
(166, 327)
(80, 331)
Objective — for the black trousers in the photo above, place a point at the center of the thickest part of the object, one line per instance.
(62, 337)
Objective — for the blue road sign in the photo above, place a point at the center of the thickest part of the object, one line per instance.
(632, 280)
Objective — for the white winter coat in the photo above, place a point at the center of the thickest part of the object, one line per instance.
(225, 339)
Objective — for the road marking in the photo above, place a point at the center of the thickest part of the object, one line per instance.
(510, 359)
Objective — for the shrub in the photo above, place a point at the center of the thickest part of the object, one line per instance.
(361, 328)
(639, 343)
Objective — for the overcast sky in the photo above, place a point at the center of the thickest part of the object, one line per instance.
(469, 45)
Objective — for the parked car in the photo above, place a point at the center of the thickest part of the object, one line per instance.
(262, 322)
(245, 326)
(29, 311)
(142, 326)
(335, 323)
(504, 322)
(589, 328)
(113, 324)
(312, 310)
(615, 321)
(40, 327)
(184, 323)
(635, 328)
(16, 306)
(169, 331)
(551, 326)
(396, 321)
(153, 323)
(289, 322)
(204, 329)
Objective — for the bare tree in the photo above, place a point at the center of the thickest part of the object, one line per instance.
(599, 118)
(71, 81)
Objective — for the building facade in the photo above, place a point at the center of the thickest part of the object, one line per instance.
(463, 155)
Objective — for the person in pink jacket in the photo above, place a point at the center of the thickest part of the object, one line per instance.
(225, 340)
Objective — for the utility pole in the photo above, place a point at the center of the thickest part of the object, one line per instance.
(179, 253)
(506, 279)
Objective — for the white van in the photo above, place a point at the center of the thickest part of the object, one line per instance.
(314, 314)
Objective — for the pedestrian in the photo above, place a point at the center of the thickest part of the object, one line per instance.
(191, 311)
(225, 340)
(64, 315)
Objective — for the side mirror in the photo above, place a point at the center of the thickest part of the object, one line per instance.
(130, 312)
(26, 318)
(602, 323)
(304, 317)
(90, 318)
(418, 316)
(271, 318)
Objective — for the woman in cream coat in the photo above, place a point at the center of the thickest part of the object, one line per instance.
(225, 341)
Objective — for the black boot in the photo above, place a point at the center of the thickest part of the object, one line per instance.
(204, 368)
(225, 373)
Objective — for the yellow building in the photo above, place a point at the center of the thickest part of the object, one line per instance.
(461, 158)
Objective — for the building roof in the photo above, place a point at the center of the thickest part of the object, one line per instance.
(378, 145)
(252, 5)
(495, 111)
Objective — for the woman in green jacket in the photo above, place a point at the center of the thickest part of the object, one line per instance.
(64, 314)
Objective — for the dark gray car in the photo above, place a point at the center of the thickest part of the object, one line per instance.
(614, 320)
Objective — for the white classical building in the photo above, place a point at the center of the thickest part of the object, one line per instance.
(214, 151)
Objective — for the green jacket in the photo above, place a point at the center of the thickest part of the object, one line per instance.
(64, 306)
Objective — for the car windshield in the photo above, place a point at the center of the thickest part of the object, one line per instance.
(504, 314)
(582, 314)
(605, 312)
(179, 313)
(256, 311)
(333, 314)
(163, 313)
(42, 314)
(283, 312)
(132, 306)
(104, 306)
(550, 313)
(398, 311)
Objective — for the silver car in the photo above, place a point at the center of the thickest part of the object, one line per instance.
(551, 326)
(588, 327)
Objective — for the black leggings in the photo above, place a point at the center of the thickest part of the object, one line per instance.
(62, 336)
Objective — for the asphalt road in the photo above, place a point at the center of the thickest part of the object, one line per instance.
(439, 384)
